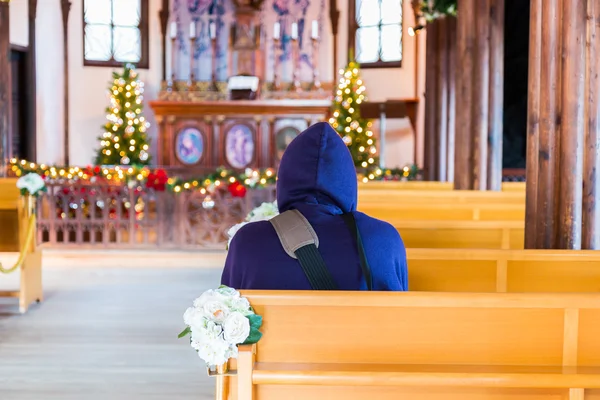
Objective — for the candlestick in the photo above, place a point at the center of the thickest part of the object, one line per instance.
(193, 29)
(316, 84)
(315, 29)
(192, 60)
(212, 27)
(173, 30)
(214, 64)
(276, 31)
(276, 83)
(171, 82)
(294, 31)
(296, 60)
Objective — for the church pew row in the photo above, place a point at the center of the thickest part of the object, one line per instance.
(461, 234)
(405, 197)
(428, 185)
(472, 270)
(425, 346)
(16, 222)
(446, 212)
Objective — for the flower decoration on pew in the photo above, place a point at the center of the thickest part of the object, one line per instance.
(264, 212)
(31, 184)
(220, 320)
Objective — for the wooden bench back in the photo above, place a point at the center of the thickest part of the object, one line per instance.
(444, 212)
(391, 196)
(428, 185)
(428, 328)
(9, 215)
(349, 345)
(461, 234)
(478, 270)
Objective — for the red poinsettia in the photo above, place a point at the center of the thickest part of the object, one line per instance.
(97, 169)
(157, 180)
(236, 189)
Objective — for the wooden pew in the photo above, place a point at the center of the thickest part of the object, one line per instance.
(427, 185)
(425, 346)
(472, 270)
(394, 197)
(445, 212)
(461, 234)
(18, 234)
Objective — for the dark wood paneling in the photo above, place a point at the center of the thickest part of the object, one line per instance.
(5, 85)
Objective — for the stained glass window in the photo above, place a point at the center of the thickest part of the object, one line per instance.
(376, 32)
(115, 32)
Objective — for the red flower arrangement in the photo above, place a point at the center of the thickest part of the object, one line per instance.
(157, 180)
(236, 189)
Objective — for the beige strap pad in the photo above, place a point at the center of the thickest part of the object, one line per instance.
(294, 231)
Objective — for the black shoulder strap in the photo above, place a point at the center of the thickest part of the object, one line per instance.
(364, 263)
(314, 268)
(300, 241)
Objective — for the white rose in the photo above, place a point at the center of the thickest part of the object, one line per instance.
(31, 182)
(207, 296)
(236, 328)
(228, 292)
(213, 352)
(241, 305)
(216, 310)
(207, 332)
(194, 317)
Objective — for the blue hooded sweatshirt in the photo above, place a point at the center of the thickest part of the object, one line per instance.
(317, 177)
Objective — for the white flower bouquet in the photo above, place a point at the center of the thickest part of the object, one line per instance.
(31, 184)
(219, 320)
(264, 212)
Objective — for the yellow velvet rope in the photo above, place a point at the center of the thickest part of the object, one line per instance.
(25, 249)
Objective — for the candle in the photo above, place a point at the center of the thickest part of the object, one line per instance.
(173, 30)
(315, 29)
(212, 29)
(276, 30)
(294, 31)
(193, 30)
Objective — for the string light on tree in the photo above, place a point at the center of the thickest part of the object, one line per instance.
(125, 141)
(346, 120)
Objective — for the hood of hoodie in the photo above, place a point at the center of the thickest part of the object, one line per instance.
(317, 168)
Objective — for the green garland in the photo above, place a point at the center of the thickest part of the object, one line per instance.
(437, 9)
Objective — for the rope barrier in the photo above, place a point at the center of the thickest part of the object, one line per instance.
(24, 250)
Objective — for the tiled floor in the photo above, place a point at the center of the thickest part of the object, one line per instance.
(104, 333)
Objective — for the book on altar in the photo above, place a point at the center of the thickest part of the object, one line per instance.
(243, 87)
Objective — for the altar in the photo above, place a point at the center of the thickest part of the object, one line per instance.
(204, 135)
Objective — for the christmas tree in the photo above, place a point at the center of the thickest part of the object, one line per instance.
(354, 130)
(124, 141)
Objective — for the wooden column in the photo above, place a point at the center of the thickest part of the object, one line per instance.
(563, 154)
(479, 94)
(440, 100)
(5, 84)
(163, 15)
(65, 6)
(31, 153)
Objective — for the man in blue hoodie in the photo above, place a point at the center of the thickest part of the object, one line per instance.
(317, 178)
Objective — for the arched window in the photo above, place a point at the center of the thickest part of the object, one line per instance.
(115, 32)
(375, 32)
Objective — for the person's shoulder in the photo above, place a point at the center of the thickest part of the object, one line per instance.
(377, 229)
(253, 234)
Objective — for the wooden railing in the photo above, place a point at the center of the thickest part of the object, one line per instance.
(109, 215)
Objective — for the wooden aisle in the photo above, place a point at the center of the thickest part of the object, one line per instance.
(104, 334)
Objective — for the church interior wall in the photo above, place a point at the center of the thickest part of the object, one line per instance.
(88, 97)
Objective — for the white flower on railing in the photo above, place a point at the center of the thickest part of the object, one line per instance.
(31, 184)
(264, 212)
(219, 320)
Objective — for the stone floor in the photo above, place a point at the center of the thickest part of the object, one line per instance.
(104, 333)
